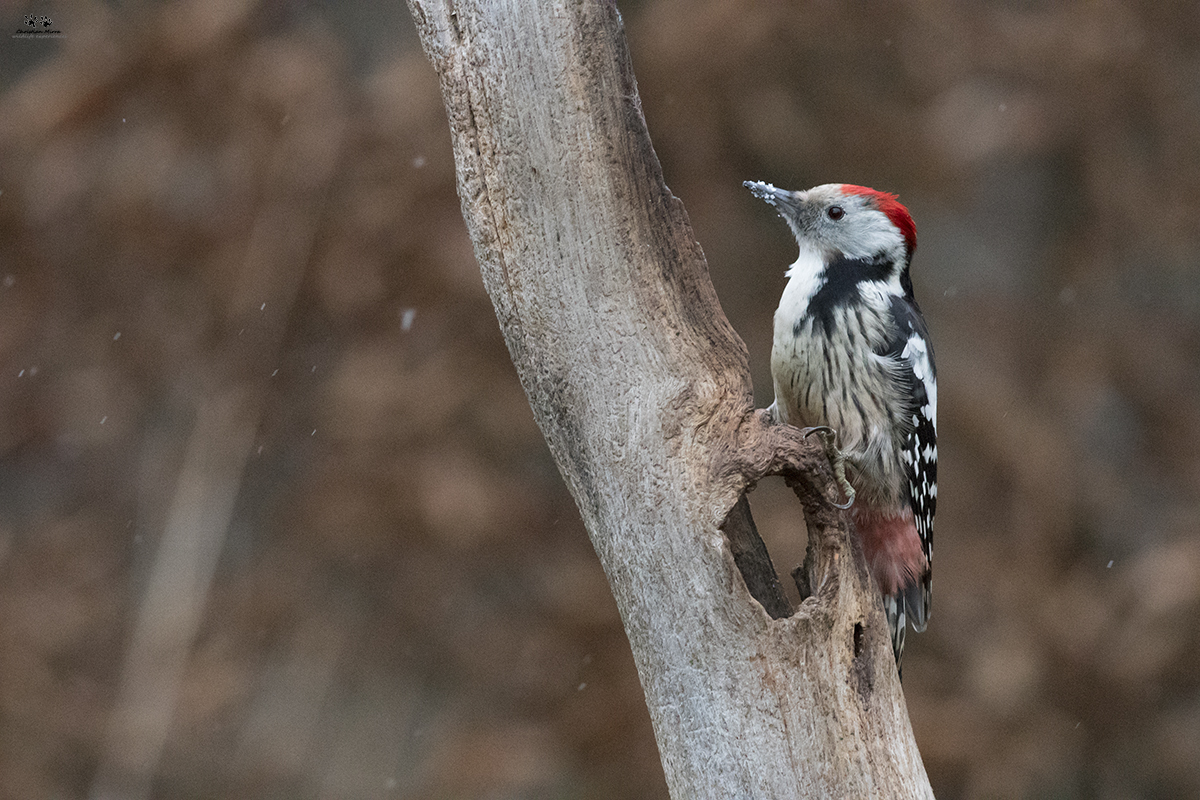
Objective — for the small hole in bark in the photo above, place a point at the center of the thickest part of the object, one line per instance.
(862, 667)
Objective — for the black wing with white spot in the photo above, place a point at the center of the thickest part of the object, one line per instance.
(920, 445)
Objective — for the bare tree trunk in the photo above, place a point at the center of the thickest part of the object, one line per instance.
(642, 390)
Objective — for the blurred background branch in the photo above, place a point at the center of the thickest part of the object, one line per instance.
(171, 608)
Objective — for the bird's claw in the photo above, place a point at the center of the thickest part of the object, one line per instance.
(837, 459)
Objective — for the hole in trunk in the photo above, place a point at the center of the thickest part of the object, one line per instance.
(780, 520)
(753, 560)
(785, 535)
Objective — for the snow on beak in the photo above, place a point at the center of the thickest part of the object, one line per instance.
(785, 202)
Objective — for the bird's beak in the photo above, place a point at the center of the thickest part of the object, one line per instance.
(781, 199)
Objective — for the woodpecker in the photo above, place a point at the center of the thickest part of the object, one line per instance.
(852, 353)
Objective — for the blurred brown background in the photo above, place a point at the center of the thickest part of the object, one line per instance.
(275, 521)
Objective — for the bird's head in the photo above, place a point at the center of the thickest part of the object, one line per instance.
(842, 219)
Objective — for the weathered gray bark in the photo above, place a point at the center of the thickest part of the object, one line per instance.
(642, 390)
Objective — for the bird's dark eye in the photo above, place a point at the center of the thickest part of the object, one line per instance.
(836, 212)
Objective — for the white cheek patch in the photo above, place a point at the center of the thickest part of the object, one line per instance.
(804, 280)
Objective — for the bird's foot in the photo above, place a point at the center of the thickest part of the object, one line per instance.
(837, 459)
